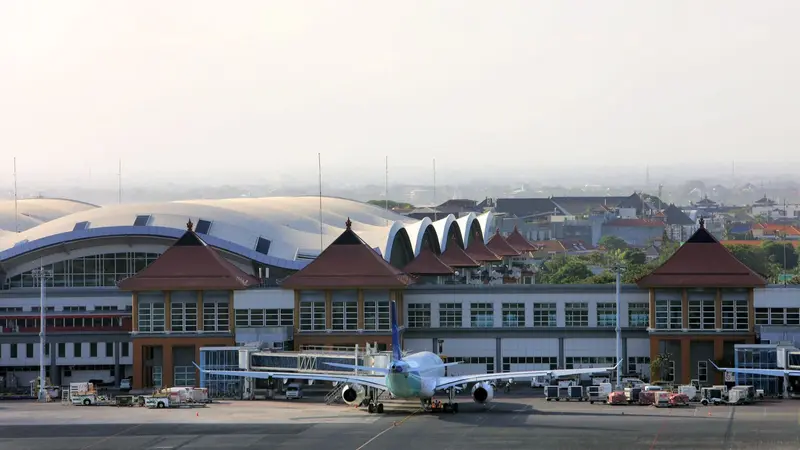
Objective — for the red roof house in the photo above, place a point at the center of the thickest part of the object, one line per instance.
(348, 262)
(427, 263)
(455, 256)
(478, 251)
(702, 261)
(500, 247)
(518, 241)
(190, 264)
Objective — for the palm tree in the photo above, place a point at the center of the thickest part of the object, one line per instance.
(657, 365)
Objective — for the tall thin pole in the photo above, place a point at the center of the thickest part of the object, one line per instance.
(16, 214)
(43, 275)
(319, 169)
(619, 328)
(435, 212)
(119, 188)
(386, 189)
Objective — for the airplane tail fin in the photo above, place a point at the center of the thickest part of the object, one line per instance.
(397, 354)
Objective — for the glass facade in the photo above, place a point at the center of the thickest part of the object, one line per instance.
(87, 271)
(221, 386)
(758, 357)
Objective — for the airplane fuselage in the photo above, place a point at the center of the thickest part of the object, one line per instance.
(415, 376)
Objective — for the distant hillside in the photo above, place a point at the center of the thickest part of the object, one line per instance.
(391, 204)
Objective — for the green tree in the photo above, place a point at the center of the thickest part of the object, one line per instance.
(634, 256)
(755, 258)
(657, 366)
(564, 270)
(612, 243)
(775, 252)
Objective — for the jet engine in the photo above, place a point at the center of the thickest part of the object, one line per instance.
(482, 392)
(353, 394)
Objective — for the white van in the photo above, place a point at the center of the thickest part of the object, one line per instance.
(293, 390)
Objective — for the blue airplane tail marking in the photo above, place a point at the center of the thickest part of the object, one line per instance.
(397, 355)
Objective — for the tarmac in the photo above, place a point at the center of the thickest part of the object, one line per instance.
(510, 422)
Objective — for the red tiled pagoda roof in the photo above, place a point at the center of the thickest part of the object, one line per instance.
(478, 251)
(427, 263)
(702, 261)
(518, 241)
(189, 264)
(500, 247)
(455, 256)
(348, 263)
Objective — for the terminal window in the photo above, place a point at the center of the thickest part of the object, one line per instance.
(544, 314)
(419, 315)
(606, 314)
(513, 314)
(576, 314)
(481, 315)
(450, 315)
(638, 315)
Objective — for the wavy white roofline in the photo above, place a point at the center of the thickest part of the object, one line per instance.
(31, 212)
(291, 224)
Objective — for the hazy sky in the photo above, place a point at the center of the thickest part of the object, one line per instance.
(226, 90)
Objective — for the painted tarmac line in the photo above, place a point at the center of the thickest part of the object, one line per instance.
(390, 428)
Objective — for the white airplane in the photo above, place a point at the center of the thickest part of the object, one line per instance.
(419, 375)
(767, 372)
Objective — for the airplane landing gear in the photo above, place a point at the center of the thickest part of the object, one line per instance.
(374, 406)
(451, 395)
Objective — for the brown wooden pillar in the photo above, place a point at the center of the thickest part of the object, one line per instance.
(135, 313)
(652, 313)
(360, 294)
(137, 351)
(718, 309)
(751, 310)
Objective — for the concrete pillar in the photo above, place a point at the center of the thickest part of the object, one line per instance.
(718, 310)
(118, 375)
(360, 300)
(200, 311)
(167, 311)
(498, 356)
(562, 361)
(684, 309)
(55, 374)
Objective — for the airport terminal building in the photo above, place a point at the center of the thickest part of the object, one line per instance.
(138, 290)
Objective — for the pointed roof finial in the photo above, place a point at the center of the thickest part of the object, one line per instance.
(702, 222)
(189, 225)
(348, 224)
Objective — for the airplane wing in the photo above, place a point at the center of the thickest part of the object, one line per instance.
(767, 372)
(448, 382)
(377, 382)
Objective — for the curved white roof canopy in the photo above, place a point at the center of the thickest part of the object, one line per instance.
(31, 212)
(279, 231)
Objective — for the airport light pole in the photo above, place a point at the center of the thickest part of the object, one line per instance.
(618, 269)
(42, 275)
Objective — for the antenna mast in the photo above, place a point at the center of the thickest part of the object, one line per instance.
(435, 218)
(386, 189)
(319, 169)
(16, 215)
(119, 188)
